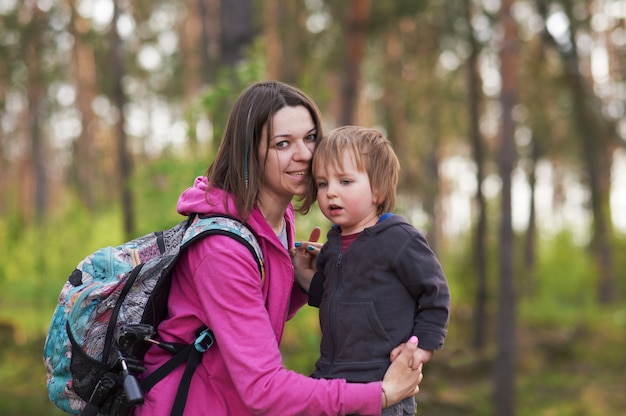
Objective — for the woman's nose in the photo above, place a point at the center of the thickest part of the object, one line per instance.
(303, 151)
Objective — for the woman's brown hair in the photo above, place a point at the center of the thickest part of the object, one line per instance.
(237, 168)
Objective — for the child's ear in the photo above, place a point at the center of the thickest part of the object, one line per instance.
(376, 199)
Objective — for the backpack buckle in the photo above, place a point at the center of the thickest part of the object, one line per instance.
(204, 341)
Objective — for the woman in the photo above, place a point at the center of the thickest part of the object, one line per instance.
(262, 163)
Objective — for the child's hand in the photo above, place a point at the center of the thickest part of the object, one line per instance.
(420, 356)
(303, 257)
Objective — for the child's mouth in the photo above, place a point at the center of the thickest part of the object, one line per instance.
(334, 209)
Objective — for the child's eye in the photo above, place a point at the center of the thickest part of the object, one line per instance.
(345, 182)
(321, 185)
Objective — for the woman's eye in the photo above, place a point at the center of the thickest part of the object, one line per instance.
(311, 137)
(282, 144)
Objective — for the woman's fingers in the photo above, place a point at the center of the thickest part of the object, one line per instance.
(312, 245)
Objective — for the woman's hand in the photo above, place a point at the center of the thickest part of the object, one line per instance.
(401, 380)
(303, 256)
(419, 357)
(312, 246)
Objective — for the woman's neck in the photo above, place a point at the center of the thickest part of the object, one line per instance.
(277, 224)
(274, 214)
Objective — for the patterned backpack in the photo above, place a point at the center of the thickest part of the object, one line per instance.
(107, 312)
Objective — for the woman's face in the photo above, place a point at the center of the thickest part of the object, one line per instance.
(288, 155)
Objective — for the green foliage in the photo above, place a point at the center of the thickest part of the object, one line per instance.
(38, 260)
(307, 222)
(158, 185)
(222, 94)
(300, 343)
(22, 378)
(34, 266)
(459, 264)
(565, 286)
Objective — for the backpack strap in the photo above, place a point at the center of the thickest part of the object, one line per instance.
(201, 225)
(191, 354)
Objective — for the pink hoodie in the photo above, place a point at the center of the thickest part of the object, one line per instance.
(217, 283)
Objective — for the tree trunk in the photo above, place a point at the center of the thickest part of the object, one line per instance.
(119, 98)
(595, 137)
(597, 140)
(531, 231)
(272, 42)
(4, 169)
(5, 166)
(293, 39)
(194, 51)
(505, 323)
(393, 116)
(479, 247)
(237, 30)
(85, 77)
(35, 96)
(598, 165)
(210, 27)
(432, 185)
(356, 33)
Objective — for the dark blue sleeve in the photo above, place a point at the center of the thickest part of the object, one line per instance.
(316, 290)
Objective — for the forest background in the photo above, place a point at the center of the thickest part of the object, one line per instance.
(508, 117)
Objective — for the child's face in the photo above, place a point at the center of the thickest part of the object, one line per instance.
(345, 196)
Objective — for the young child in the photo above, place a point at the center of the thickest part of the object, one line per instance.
(377, 282)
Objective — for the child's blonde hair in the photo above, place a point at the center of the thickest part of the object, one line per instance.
(372, 154)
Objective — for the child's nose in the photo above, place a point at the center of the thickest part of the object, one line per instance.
(331, 190)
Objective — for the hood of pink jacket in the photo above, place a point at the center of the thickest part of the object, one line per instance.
(196, 199)
(202, 199)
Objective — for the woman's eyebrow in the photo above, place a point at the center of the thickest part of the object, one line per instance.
(279, 135)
